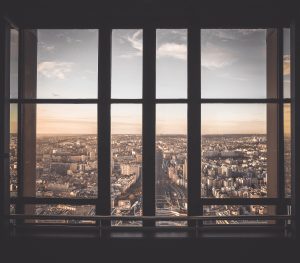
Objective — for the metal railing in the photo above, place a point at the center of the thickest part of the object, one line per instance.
(99, 218)
(104, 223)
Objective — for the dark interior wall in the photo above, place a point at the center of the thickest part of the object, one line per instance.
(209, 250)
(94, 13)
(85, 14)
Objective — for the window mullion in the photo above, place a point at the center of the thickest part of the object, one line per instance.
(281, 209)
(4, 127)
(103, 206)
(194, 136)
(149, 80)
(20, 171)
(295, 107)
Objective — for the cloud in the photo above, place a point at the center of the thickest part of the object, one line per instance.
(73, 40)
(180, 34)
(49, 48)
(223, 34)
(173, 50)
(45, 46)
(214, 57)
(232, 77)
(250, 31)
(67, 38)
(53, 69)
(135, 41)
(229, 34)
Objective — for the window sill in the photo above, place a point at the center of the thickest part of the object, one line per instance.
(92, 232)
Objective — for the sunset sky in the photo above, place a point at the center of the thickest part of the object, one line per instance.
(233, 65)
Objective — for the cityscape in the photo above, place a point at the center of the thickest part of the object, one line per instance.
(233, 166)
(234, 150)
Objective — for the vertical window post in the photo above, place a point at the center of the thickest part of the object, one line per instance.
(194, 136)
(4, 126)
(295, 106)
(281, 208)
(149, 64)
(272, 112)
(104, 91)
(27, 118)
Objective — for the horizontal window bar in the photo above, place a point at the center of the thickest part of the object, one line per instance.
(87, 101)
(235, 227)
(55, 101)
(204, 201)
(244, 100)
(178, 23)
(127, 101)
(160, 218)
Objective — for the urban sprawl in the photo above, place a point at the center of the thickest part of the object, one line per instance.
(233, 166)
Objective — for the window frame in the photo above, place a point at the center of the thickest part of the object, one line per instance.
(149, 101)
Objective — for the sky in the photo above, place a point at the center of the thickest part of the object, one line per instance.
(240, 118)
(66, 119)
(14, 55)
(127, 64)
(233, 65)
(126, 119)
(171, 119)
(287, 120)
(286, 63)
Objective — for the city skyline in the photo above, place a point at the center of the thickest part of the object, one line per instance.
(231, 166)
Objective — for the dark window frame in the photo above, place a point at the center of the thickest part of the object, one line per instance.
(149, 101)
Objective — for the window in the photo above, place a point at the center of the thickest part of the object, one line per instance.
(151, 122)
(238, 152)
(126, 161)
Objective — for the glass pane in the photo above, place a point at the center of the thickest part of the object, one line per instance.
(238, 210)
(14, 64)
(13, 152)
(171, 162)
(126, 162)
(233, 63)
(287, 148)
(171, 63)
(235, 151)
(67, 63)
(61, 209)
(286, 63)
(66, 151)
(127, 63)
